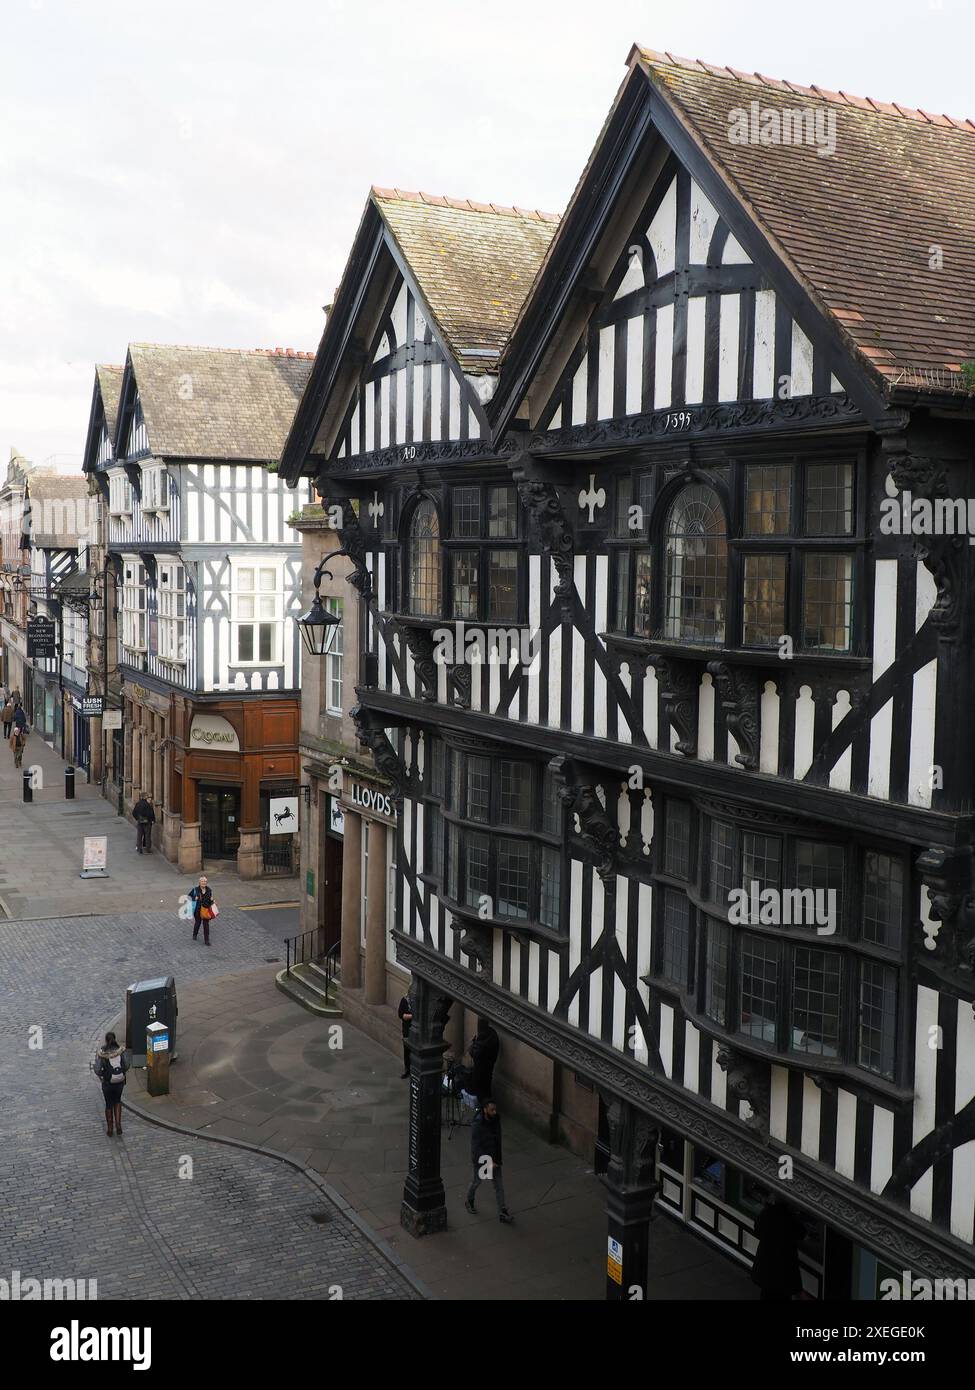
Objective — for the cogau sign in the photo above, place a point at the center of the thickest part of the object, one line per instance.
(212, 731)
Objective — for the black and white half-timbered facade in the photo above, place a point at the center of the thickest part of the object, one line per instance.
(678, 671)
(207, 573)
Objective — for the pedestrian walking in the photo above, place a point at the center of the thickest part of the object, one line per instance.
(484, 1051)
(7, 716)
(20, 715)
(405, 1012)
(18, 741)
(110, 1068)
(204, 908)
(486, 1158)
(775, 1268)
(145, 819)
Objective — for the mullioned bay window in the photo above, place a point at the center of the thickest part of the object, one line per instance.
(791, 943)
(467, 567)
(494, 836)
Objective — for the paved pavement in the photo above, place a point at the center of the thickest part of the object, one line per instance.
(153, 1214)
(41, 853)
(254, 1066)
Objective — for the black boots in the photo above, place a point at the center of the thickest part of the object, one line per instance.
(109, 1117)
(118, 1120)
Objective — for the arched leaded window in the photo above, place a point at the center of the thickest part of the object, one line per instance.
(424, 562)
(696, 567)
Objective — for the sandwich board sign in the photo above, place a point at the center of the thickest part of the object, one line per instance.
(95, 857)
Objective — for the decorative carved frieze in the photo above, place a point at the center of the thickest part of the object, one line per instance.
(387, 760)
(679, 686)
(738, 691)
(750, 1081)
(597, 831)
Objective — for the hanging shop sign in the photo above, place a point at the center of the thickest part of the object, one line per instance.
(112, 719)
(336, 820)
(41, 638)
(282, 815)
(93, 705)
(215, 733)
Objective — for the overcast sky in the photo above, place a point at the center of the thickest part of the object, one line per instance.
(193, 171)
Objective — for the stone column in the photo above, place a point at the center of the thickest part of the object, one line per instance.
(376, 918)
(423, 1210)
(630, 1188)
(136, 758)
(351, 900)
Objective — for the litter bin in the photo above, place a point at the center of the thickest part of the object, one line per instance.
(149, 1001)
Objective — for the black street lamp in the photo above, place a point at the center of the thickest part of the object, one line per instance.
(318, 626)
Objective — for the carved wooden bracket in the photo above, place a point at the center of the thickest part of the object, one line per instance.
(387, 760)
(679, 690)
(543, 502)
(948, 875)
(477, 943)
(597, 832)
(750, 1081)
(353, 542)
(944, 556)
(420, 642)
(738, 690)
(459, 678)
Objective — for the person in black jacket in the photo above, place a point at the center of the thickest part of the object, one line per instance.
(110, 1068)
(486, 1158)
(405, 1012)
(484, 1053)
(202, 899)
(775, 1268)
(145, 819)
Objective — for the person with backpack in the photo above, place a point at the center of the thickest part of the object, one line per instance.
(20, 715)
(7, 716)
(110, 1068)
(145, 819)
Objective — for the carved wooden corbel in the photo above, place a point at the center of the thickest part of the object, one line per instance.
(738, 690)
(679, 690)
(387, 760)
(459, 678)
(748, 1080)
(477, 943)
(354, 544)
(420, 643)
(597, 832)
(950, 955)
(543, 502)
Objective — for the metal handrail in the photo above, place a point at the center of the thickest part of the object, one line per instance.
(299, 953)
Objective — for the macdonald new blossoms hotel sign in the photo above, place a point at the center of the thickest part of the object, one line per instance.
(214, 734)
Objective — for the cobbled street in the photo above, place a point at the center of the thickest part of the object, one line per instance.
(76, 1204)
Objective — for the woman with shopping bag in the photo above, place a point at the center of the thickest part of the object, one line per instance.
(204, 908)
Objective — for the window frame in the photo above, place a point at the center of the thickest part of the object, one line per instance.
(173, 626)
(335, 658)
(256, 622)
(135, 616)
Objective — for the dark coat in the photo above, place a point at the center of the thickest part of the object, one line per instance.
(142, 811)
(484, 1054)
(20, 717)
(776, 1263)
(486, 1138)
(405, 1007)
(200, 900)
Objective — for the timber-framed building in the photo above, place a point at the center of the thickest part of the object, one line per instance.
(667, 468)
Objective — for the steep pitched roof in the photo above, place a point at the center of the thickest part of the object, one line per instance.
(57, 507)
(474, 264)
(218, 403)
(109, 380)
(859, 226)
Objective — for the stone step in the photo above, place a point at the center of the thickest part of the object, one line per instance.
(306, 992)
(318, 973)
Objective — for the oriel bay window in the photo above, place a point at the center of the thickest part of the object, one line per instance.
(172, 612)
(465, 563)
(257, 615)
(790, 943)
(789, 568)
(493, 828)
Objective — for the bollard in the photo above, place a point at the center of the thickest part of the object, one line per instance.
(157, 1059)
(28, 788)
(69, 784)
